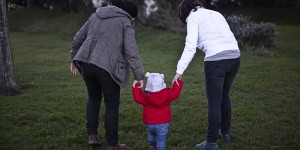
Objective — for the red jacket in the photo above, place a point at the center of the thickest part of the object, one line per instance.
(156, 105)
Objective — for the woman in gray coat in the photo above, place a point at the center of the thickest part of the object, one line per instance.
(103, 51)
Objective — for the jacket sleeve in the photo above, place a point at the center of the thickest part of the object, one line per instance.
(190, 43)
(138, 95)
(131, 51)
(175, 91)
(79, 38)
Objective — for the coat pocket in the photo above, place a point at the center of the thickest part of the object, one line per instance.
(120, 71)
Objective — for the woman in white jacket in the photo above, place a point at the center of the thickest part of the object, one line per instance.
(209, 31)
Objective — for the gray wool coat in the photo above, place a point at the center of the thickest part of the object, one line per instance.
(107, 40)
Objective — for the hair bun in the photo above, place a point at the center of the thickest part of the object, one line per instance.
(127, 6)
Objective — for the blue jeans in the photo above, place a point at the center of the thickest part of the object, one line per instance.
(158, 133)
(98, 83)
(219, 76)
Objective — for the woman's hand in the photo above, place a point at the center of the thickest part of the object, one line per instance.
(74, 70)
(176, 77)
(141, 82)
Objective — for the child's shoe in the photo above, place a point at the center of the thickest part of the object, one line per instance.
(152, 147)
(207, 146)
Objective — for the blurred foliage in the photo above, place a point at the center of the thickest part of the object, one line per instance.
(57, 5)
(166, 17)
(86, 5)
(257, 3)
(252, 36)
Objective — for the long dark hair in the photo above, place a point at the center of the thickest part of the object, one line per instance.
(186, 6)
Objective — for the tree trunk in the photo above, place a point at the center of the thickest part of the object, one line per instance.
(8, 84)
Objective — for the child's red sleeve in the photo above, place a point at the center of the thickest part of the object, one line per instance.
(175, 91)
(138, 95)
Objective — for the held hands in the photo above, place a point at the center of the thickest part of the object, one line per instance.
(74, 70)
(141, 82)
(176, 77)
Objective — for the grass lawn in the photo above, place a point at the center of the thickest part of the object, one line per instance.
(50, 113)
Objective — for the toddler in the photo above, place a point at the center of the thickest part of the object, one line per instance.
(156, 100)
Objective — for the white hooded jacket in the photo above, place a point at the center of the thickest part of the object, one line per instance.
(208, 31)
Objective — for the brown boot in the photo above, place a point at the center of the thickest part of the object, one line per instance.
(118, 147)
(94, 140)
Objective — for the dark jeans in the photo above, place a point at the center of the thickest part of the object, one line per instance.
(98, 82)
(219, 76)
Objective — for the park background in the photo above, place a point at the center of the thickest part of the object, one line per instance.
(49, 113)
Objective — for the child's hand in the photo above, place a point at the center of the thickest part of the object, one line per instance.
(140, 82)
(176, 77)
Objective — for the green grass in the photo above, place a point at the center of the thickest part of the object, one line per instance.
(50, 113)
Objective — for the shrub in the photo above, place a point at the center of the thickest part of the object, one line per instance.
(255, 37)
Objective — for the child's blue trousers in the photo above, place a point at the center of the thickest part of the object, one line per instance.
(158, 133)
